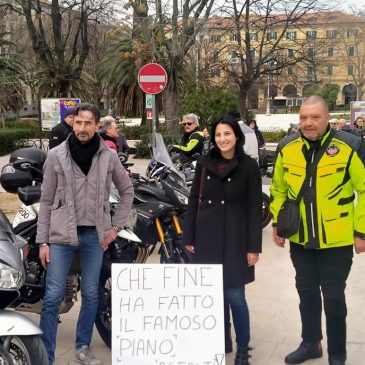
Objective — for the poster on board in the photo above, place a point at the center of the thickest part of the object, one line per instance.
(53, 110)
(357, 109)
(170, 314)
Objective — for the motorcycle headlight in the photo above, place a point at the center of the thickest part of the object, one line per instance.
(182, 198)
(10, 278)
(132, 219)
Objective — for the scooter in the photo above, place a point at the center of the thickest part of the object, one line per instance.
(20, 338)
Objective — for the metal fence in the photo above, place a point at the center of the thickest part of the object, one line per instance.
(42, 144)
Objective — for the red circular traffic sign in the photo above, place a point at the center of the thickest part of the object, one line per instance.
(152, 78)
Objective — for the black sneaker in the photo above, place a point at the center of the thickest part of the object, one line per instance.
(304, 352)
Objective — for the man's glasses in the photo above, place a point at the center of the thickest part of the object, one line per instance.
(188, 124)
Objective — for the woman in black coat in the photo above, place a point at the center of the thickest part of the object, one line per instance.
(222, 224)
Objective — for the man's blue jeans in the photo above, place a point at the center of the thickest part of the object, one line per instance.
(61, 256)
(234, 299)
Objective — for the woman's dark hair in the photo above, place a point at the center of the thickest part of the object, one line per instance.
(233, 123)
(90, 108)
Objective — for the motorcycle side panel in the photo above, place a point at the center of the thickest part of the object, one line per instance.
(26, 213)
(15, 324)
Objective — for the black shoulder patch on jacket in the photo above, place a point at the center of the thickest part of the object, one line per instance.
(354, 142)
(287, 140)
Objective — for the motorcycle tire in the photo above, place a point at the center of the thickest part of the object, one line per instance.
(103, 320)
(266, 214)
(25, 350)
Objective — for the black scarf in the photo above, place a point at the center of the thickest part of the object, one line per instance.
(83, 153)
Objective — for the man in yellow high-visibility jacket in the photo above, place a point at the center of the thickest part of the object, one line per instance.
(193, 139)
(330, 224)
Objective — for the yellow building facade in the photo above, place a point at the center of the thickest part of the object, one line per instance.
(319, 49)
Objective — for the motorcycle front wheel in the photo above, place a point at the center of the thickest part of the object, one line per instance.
(266, 214)
(23, 350)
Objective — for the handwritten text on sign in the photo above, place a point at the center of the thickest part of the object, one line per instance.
(167, 314)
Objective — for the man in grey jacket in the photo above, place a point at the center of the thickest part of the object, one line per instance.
(75, 216)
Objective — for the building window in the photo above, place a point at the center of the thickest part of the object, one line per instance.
(214, 38)
(234, 57)
(215, 72)
(271, 36)
(310, 71)
(311, 34)
(351, 51)
(310, 52)
(290, 70)
(352, 32)
(215, 55)
(330, 70)
(350, 70)
(233, 37)
(291, 35)
(253, 54)
(253, 36)
(331, 33)
(290, 52)
(330, 52)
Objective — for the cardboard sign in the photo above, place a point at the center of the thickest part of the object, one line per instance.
(167, 314)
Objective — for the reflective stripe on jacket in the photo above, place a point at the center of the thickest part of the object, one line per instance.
(329, 217)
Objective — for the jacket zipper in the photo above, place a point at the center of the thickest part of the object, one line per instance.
(311, 203)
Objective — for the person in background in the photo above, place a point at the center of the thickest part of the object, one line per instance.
(74, 217)
(109, 132)
(343, 126)
(330, 224)
(250, 144)
(333, 123)
(61, 131)
(359, 127)
(260, 138)
(293, 128)
(193, 139)
(222, 223)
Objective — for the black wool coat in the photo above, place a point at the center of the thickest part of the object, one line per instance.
(227, 223)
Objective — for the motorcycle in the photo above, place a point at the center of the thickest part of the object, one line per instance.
(23, 175)
(20, 338)
(160, 201)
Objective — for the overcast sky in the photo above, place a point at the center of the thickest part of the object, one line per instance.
(348, 3)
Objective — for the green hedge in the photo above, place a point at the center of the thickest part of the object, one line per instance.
(10, 137)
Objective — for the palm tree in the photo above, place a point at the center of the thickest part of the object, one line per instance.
(119, 68)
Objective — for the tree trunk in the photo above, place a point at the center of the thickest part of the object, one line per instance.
(243, 102)
(171, 108)
(2, 118)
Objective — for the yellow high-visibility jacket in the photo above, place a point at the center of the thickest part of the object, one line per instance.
(328, 215)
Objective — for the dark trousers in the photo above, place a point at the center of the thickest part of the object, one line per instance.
(325, 271)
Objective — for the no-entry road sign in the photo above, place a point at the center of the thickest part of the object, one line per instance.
(152, 78)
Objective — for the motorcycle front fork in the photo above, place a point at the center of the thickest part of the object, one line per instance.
(167, 241)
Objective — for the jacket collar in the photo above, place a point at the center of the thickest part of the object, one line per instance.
(211, 165)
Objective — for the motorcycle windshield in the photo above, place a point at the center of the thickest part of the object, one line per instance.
(161, 155)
